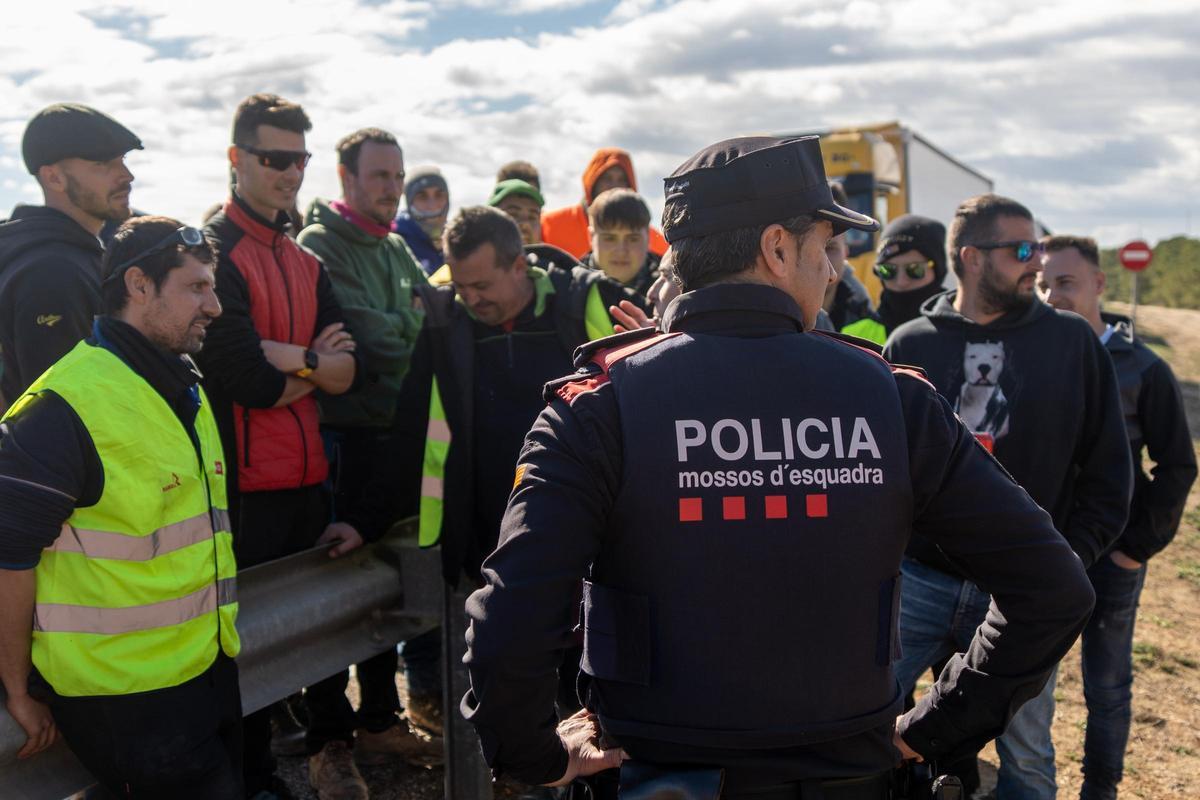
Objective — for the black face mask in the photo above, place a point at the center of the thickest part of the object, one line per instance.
(897, 308)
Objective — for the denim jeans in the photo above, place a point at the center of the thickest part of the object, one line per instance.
(1108, 675)
(939, 614)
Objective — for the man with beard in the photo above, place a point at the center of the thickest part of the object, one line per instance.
(910, 265)
(50, 254)
(117, 577)
(1038, 389)
(282, 337)
(373, 275)
(427, 205)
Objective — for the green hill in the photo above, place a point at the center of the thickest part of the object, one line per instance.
(1172, 279)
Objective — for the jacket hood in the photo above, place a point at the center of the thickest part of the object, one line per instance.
(604, 158)
(35, 226)
(320, 212)
(940, 308)
(1122, 335)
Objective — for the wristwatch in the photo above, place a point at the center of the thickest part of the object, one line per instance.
(310, 365)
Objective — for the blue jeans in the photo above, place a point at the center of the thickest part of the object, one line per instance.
(939, 614)
(1108, 676)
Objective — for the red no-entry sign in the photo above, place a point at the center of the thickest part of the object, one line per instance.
(1135, 256)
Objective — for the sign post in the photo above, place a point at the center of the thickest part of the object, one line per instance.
(1135, 257)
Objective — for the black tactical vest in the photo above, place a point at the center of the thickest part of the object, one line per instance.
(747, 594)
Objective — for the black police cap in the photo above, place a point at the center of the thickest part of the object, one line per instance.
(754, 180)
(71, 130)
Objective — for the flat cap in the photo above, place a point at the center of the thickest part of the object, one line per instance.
(753, 180)
(71, 130)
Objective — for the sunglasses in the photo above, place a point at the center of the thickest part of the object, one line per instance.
(916, 271)
(188, 237)
(1023, 250)
(278, 159)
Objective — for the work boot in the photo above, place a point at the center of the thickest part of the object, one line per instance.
(333, 774)
(425, 712)
(397, 742)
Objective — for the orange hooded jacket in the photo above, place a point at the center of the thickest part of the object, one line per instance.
(568, 227)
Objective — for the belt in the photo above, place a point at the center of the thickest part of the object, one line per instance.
(871, 787)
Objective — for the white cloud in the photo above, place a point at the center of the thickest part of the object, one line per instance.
(1084, 110)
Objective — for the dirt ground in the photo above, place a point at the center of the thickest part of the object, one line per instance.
(1163, 759)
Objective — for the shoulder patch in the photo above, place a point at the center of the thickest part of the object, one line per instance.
(587, 351)
(573, 390)
(912, 372)
(852, 341)
(595, 362)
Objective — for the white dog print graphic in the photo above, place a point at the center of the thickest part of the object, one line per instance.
(981, 402)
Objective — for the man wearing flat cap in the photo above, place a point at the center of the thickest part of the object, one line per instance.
(50, 254)
(735, 492)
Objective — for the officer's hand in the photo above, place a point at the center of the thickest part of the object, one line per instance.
(905, 751)
(343, 537)
(629, 317)
(580, 734)
(35, 719)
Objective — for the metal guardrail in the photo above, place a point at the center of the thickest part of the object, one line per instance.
(301, 618)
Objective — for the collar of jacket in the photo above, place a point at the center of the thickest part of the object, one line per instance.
(255, 225)
(168, 374)
(543, 287)
(749, 307)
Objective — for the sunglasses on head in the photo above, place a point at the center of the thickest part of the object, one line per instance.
(278, 159)
(886, 272)
(1023, 250)
(185, 236)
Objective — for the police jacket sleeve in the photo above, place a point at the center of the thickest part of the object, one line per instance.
(1104, 482)
(48, 466)
(232, 356)
(1158, 505)
(54, 313)
(521, 620)
(1000, 539)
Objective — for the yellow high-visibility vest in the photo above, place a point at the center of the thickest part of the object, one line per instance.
(139, 590)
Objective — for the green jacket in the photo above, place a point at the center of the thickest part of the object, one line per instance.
(373, 280)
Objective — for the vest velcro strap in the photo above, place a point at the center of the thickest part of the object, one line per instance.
(122, 547)
(431, 487)
(438, 430)
(63, 618)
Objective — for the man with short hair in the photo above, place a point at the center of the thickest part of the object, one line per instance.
(610, 168)
(427, 206)
(522, 171)
(523, 202)
(373, 275)
(117, 575)
(619, 230)
(50, 254)
(1155, 420)
(1006, 360)
(735, 494)
(282, 337)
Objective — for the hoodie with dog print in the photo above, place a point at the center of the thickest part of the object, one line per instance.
(1040, 391)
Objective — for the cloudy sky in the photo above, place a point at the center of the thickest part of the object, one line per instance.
(1087, 111)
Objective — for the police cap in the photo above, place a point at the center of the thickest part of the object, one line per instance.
(71, 130)
(754, 180)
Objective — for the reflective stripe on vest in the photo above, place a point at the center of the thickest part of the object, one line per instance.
(53, 617)
(138, 592)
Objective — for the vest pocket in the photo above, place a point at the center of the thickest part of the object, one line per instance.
(616, 635)
(887, 648)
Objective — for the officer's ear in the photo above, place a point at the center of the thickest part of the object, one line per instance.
(773, 248)
(137, 285)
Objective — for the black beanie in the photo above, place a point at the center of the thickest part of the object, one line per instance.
(911, 232)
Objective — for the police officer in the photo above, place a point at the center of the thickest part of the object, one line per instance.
(736, 493)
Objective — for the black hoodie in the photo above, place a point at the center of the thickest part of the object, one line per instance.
(49, 292)
(1040, 384)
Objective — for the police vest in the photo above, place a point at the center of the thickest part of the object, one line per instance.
(746, 595)
(139, 590)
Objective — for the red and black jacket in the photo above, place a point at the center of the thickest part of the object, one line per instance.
(269, 288)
